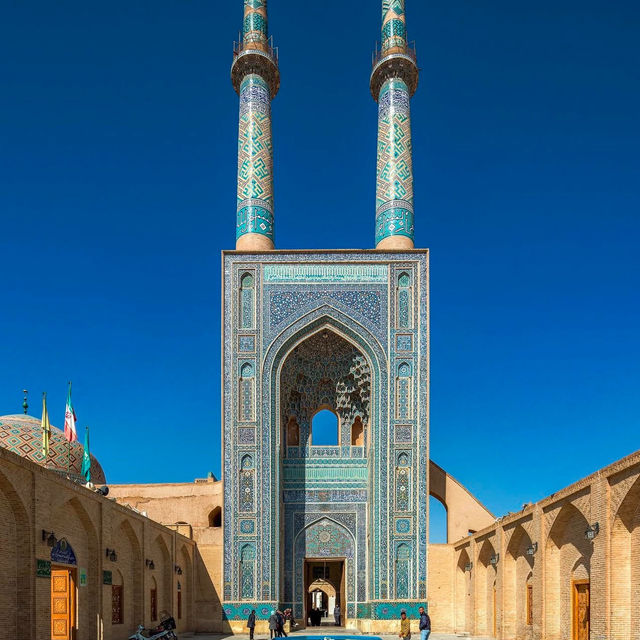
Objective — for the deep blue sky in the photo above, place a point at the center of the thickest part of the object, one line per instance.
(117, 194)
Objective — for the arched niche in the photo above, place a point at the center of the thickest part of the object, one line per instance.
(325, 385)
(215, 517)
(567, 558)
(357, 433)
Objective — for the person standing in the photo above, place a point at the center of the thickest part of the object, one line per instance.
(251, 623)
(405, 626)
(273, 624)
(336, 614)
(425, 624)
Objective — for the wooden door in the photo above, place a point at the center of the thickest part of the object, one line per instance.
(116, 604)
(581, 610)
(62, 604)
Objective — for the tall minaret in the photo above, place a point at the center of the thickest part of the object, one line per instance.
(394, 80)
(256, 79)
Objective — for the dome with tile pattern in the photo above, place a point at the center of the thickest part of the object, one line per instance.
(23, 435)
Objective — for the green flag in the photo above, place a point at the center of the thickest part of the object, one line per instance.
(86, 458)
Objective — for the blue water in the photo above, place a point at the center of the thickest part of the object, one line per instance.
(332, 636)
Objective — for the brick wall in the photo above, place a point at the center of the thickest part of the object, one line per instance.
(610, 562)
(32, 499)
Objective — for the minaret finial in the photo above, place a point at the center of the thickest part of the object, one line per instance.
(394, 80)
(256, 79)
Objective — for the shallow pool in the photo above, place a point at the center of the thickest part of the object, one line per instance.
(334, 636)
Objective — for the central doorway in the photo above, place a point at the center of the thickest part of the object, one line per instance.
(324, 588)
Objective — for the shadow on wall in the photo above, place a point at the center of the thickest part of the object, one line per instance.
(207, 604)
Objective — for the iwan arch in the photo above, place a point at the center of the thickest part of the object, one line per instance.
(348, 522)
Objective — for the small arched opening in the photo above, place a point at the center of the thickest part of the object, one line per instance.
(325, 429)
(357, 432)
(215, 517)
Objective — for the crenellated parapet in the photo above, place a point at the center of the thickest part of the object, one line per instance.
(256, 79)
(394, 79)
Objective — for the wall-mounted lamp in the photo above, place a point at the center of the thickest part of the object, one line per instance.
(178, 570)
(468, 566)
(532, 549)
(495, 558)
(592, 531)
(49, 537)
(112, 555)
(150, 564)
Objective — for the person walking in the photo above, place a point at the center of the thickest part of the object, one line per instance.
(425, 624)
(281, 631)
(336, 614)
(273, 625)
(251, 623)
(405, 626)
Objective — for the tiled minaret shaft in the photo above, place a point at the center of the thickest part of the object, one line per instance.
(256, 79)
(394, 80)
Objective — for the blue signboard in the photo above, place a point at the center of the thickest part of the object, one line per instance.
(62, 552)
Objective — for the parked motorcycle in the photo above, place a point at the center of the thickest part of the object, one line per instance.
(164, 631)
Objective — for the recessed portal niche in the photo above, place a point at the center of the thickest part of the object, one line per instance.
(325, 394)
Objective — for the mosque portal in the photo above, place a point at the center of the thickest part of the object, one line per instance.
(325, 383)
(343, 333)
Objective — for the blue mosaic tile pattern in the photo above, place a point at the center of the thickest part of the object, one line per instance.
(394, 31)
(255, 159)
(394, 179)
(254, 26)
(289, 312)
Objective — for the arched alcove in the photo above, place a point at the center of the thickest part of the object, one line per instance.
(437, 521)
(485, 602)
(518, 565)
(357, 432)
(215, 517)
(325, 429)
(567, 559)
(463, 593)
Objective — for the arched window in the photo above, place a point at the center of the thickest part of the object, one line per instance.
(215, 517)
(324, 429)
(357, 432)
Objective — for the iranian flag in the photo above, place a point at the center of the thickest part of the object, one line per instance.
(70, 420)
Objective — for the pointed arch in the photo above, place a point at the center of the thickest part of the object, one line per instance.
(463, 593)
(72, 521)
(129, 550)
(567, 550)
(186, 586)
(326, 317)
(163, 573)
(518, 566)
(485, 581)
(16, 560)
